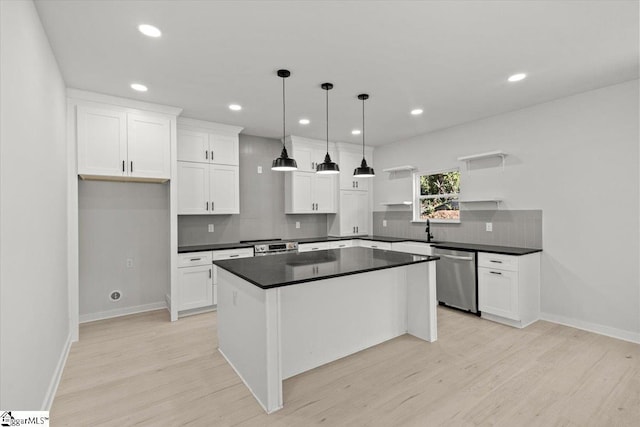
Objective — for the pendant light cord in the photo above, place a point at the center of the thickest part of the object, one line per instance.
(363, 128)
(327, 91)
(284, 116)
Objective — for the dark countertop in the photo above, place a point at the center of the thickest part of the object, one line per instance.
(273, 271)
(505, 250)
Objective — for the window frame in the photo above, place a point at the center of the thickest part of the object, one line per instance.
(417, 197)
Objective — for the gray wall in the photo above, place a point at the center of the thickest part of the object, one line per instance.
(120, 221)
(34, 315)
(510, 227)
(261, 204)
(574, 158)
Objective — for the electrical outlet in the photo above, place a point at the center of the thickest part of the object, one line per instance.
(297, 224)
(384, 222)
(259, 169)
(489, 226)
(210, 228)
(129, 262)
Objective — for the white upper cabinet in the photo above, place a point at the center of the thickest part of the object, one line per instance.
(224, 189)
(206, 142)
(348, 162)
(149, 146)
(208, 171)
(102, 141)
(121, 143)
(309, 153)
(193, 146)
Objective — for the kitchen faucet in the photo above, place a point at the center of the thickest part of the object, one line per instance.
(428, 230)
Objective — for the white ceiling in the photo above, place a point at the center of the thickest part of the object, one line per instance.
(450, 58)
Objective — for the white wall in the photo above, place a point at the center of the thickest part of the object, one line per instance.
(576, 158)
(34, 329)
(120, 221)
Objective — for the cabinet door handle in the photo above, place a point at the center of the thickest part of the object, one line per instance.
(357, 184)
(495, 272)
(496, 261)
(234, 256)
(211, 154)
(195, 259)
(209, 273)
(123, 166)
(206, 154)
(131, 166)
(357, 229)
(354, 230)
(207, 206)
(213, 204)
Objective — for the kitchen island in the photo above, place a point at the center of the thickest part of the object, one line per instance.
(281, 315)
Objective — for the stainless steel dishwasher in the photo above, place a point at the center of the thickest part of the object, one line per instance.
(456, 279)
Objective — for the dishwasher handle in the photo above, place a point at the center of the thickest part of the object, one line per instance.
(461, 258)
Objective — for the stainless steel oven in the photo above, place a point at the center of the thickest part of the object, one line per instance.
(272, 246)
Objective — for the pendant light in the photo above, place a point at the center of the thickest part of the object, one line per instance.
(364, 171)
(327, 167)
(284, 163)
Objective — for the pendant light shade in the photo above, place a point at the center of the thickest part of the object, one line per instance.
(364, 171)
(327, 167)
(284, 162)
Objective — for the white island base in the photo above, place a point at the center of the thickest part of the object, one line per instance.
(268, 335)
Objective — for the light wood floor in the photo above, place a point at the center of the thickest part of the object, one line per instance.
(145, 370)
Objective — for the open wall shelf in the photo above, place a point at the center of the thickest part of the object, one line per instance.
(487, 155)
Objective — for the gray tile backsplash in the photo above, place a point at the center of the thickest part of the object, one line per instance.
(520, 228)
(261, 204)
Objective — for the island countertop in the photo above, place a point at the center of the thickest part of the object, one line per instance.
(286, 269)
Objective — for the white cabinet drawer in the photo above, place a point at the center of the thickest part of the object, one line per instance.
(375, 244)
(192, 259)
(232, 253)
(318, 246)
(498, 261)
(340, 244)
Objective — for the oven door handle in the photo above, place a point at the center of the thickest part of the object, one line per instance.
(461, 258)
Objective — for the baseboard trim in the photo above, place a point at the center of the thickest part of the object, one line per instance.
(92, 317)
(57, 375)
(608, 331)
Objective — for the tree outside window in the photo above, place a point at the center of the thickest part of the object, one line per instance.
(437, 196)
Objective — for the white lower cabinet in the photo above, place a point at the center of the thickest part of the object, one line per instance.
(509, 288)
(195, 280)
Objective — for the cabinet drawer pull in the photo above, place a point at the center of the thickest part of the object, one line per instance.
(234, 256)
(314, 249)
(495, 272)
(209, 273)
(195, 259)
(496, 261)
(342, 246)
(374, 246)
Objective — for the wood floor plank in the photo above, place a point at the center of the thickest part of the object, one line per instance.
(144, 370)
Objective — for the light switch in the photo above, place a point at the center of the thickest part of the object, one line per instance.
(297, 224)
(384, 222)
(259, 169)
(489, 226)
(211, 228)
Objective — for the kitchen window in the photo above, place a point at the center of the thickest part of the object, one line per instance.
(436, 196)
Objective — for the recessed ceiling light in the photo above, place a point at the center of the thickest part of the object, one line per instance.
(356, 132)
(149, 30)
(517, 77)
(235, 107)
(139, 87)
(304, 121)
(416, 112)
